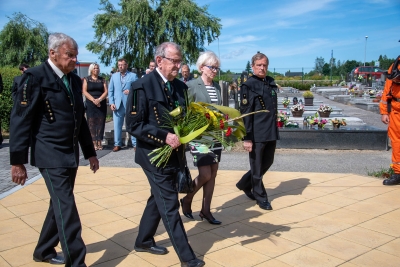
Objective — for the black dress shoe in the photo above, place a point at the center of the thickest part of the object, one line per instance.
(58, 260)
(248, 193)
(210, 219)
(187, 214)
(393, 180)
(265, 205)
(153, 250)
(193, 263)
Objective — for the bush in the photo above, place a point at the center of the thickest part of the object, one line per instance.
(6, 102)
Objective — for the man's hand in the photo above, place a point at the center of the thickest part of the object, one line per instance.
(248, 145)
(18, 174)
(126, 92)
(385, 118)
(94, 164)
(112, 107)
(172, 140)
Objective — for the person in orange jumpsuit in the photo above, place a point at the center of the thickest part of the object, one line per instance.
(390, 111)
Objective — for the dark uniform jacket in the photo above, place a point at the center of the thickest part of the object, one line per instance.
(45, 116)
(14, 89)
(198, 92)
(260, 94)
(148, 105)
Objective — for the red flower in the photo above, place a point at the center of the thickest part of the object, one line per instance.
(221, 124)
(226, 117)
(207, 116)
(228, 132)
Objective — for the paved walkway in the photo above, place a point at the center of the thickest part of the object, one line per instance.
(327, 212)
(319, 219)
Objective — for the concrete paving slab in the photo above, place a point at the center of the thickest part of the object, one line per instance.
(319, 219)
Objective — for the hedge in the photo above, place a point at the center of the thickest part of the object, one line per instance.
(6, 103)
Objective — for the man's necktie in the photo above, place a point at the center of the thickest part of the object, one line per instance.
(66, 83)
(168, 85)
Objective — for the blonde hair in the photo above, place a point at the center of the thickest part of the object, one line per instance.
(208, 58)
(91, 67)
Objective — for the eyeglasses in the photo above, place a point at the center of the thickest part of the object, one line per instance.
(213, 68)
(174, 61)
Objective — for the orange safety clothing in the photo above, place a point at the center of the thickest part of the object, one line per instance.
(392, 91)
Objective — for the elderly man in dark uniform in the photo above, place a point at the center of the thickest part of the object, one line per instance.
(149, 102)
(259, 93)
(48, 114)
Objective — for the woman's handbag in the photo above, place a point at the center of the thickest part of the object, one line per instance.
(184, 182)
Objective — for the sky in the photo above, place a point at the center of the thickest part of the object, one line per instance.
(291, 33)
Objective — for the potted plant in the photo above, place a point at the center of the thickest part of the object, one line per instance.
(282, 119)
(337, 122)
(324, 111)
(297, 110)
(285, 102)
(308, 98)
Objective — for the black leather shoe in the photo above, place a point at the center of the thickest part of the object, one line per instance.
(193, 263)
(58, 260)
(210, 219)
(393, 180)
(248, 193)
(187, 214)
(153, 250)
(265, 205)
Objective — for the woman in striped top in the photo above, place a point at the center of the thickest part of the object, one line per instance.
(206, 153)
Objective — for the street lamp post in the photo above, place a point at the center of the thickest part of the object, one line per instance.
(219, 71)
(365, 49)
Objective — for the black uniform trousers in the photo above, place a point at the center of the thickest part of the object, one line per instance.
(261, 159)
(163, 204)
(62, 222)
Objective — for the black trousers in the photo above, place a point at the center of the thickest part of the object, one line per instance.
(163, 204)
(62, 222)
(261, 159)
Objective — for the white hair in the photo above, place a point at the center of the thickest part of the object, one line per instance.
(208, 58)
(58, 39)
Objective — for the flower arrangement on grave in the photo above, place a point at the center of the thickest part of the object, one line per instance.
(315, 120)
(285, 102)
(325, 109)
(371, 92)
(297, 107)
(292, 124)
(282, 119)
(210, 121)
(338, 122)
(379, 93)
(360, 78)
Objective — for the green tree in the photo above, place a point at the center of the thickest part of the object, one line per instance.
(319, 64)
(385, 62)
(248, 67)
(140, 25)
(23, 40)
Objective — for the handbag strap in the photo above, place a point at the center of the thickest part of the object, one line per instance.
(182, 163)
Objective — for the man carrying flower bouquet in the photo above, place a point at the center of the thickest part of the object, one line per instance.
(150, 100)
(259, 93)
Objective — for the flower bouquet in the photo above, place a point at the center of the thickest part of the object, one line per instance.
(285, 102)
(360, 78)
(315, 120)
(337, 122)
(282, 119)
(211, 122)
(371, 92)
